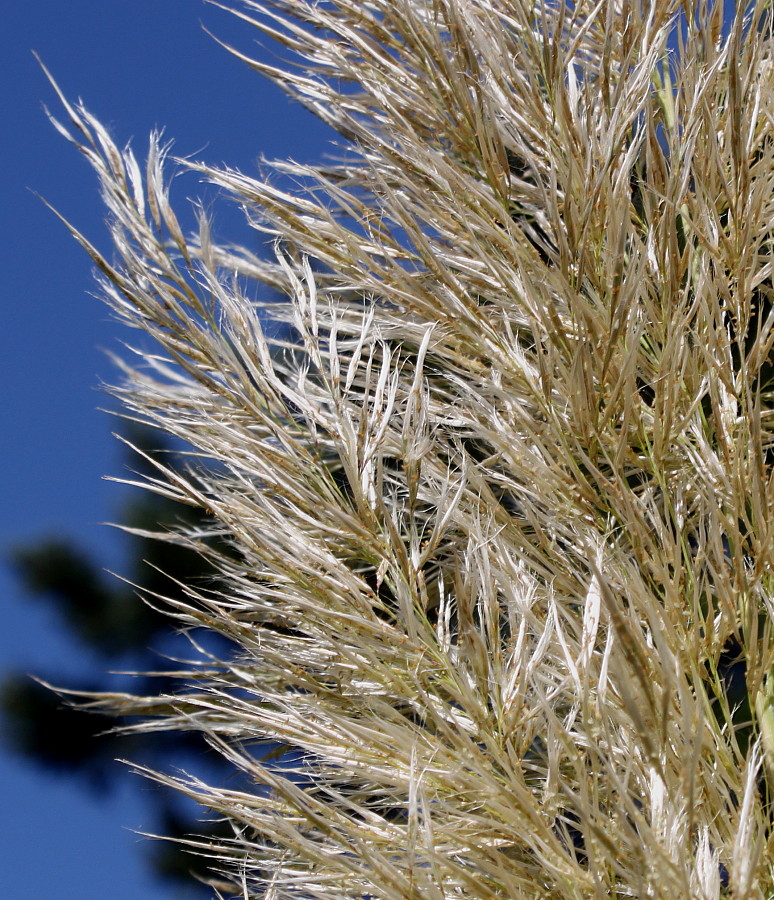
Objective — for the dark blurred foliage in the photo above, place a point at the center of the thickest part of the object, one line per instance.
(118, 631)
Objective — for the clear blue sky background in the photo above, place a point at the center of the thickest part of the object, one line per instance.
(138, 64)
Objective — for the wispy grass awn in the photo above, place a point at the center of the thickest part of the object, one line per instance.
(499, 495)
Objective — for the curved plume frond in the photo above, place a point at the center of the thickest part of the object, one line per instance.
(496, 492)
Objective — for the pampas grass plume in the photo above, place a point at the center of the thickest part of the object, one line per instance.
(492, 487)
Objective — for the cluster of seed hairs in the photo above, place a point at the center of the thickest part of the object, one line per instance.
(493, 490)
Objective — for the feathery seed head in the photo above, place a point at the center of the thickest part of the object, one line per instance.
(496, 493)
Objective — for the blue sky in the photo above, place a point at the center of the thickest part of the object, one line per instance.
(138, 64)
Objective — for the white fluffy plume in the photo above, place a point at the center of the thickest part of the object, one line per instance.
(494, 508)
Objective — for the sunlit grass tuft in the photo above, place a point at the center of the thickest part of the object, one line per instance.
(499, 500)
